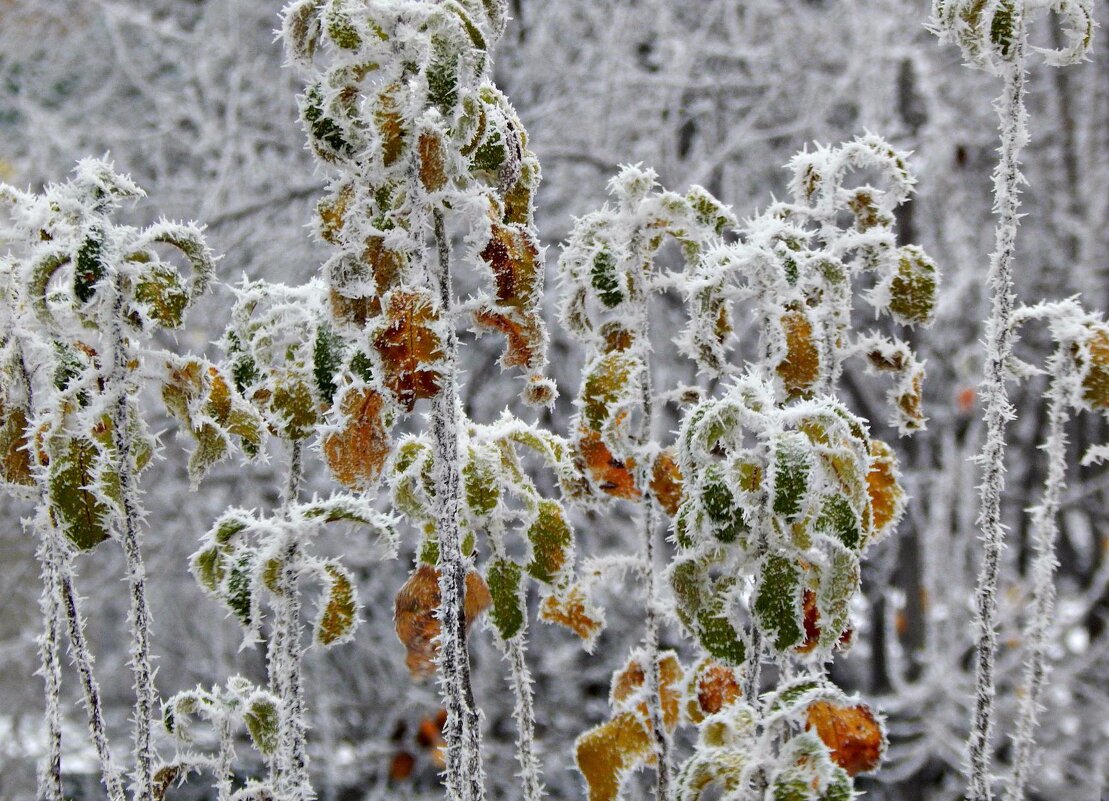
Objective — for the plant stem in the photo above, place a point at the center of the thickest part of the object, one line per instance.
(139, 614)
(285, 657)
(1045, 532)
(664, 769)
(465, 775)
(50, 772)
(1007, 178)
(524, 714)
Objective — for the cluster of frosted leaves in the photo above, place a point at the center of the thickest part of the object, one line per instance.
(797, 263)
(807, 742)
(498, 498)
(608, 274)
(404, 109)
(245, 556)
(986, 30)
(240, 706)
(61, 305)
(284, 358)
(73, 254)
(779, 505)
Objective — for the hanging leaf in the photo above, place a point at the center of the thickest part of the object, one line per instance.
(571, 608)
(356, 453)
(261, 720)
(338, 617)
(853, 734)
(777, 602)
(513, 257)
(612, 475)
(666, 482)
(524, 331)
(912, 289)
(711, 686)
(887, 499)
(409, 346)
(800, 368)
(1095, 373)
(508, 604)
(551, 542)
(76, 507)
(416, 607)
(15, 459)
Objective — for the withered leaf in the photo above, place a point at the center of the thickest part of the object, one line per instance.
(415, 611)
(357, 452)
(410, 346)
(852, 733)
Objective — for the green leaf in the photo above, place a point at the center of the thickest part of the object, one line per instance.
(777, 602)
(551, 540)
(261, 720)
(76, 508)
(337, 620)
(503, 577)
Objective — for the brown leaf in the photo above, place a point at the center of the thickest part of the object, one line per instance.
(409, 345)
(852, 733)
(415, 612)
(570, 609)
(401, 766)
(513, 257)
(666, 481)
(524, 331)
(356, 453)
(714, 687)
(433, 173)
(15, 459)
(612, 475)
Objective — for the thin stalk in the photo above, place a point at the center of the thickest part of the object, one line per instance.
(292, 777)
(139, 614)
(50, 772)
(1045, 531)
(83, 660)
(1007, 178)
(524, 715)
(664, 769)
(224, 767)
(465, 775)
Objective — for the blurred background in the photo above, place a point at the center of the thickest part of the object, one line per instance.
(191, 98)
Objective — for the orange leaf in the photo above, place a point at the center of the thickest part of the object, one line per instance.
(524, 331)
(415, 612)
(852, 733)
(569, 609)
(607, 753)
(612, 475)
(357, 452)
(401, 766)
(433, 173)
(800, 368)
(714, 687)
(666, 482)
(886, 495)
(408, 345)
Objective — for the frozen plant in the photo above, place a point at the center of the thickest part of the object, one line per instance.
(400, 105)
(96, 292)
(993, 36)
(609, 276)
(499, 498)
